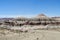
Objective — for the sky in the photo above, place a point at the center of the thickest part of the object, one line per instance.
(29, 8)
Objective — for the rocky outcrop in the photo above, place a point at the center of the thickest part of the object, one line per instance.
(41, 19)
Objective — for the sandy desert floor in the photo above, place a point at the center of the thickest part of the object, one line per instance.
(32, 35)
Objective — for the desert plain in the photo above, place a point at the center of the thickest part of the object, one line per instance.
(30, 35)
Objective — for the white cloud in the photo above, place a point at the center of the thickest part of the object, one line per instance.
(13, 16)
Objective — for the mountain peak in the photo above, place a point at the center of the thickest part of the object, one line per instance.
(41, 15)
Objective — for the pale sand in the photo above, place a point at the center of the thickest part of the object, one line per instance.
(33, 35)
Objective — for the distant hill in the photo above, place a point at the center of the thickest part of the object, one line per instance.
(6, 19)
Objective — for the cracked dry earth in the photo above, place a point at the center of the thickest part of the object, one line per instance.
(32, 35)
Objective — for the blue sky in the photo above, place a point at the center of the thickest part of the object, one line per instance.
(29, 8)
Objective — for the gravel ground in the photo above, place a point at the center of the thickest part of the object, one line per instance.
(31, 35)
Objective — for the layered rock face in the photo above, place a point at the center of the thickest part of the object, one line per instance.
(41, 19)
